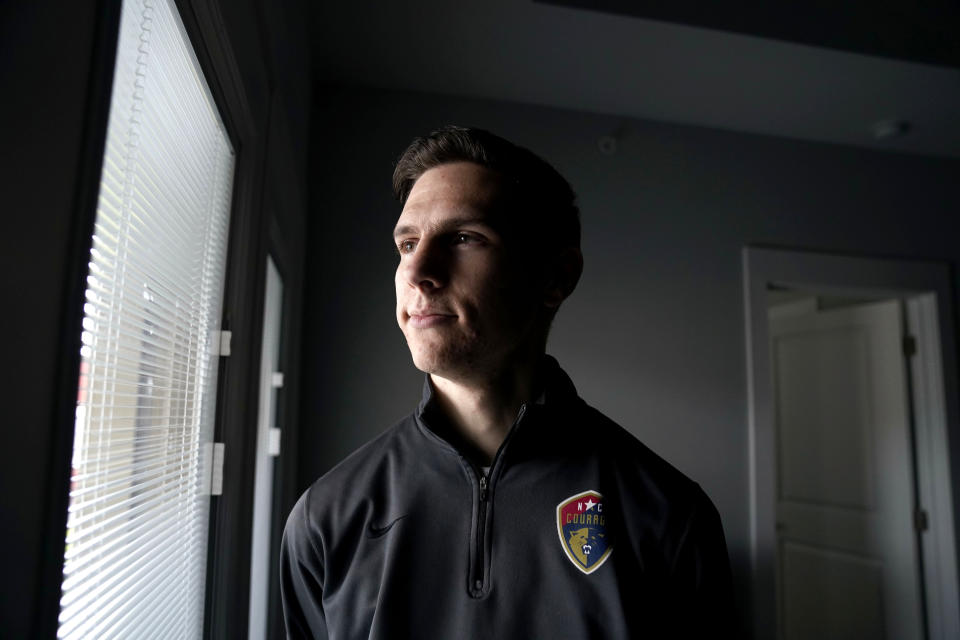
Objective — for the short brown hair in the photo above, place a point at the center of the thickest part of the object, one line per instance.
(542, 197)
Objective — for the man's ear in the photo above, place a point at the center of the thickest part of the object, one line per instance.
(562, 277)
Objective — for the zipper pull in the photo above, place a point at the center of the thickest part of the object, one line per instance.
(483, 488)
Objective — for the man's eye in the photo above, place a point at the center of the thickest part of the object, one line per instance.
(464, 238)
(406, 246)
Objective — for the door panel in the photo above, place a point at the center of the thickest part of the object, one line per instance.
(815, 580)
(825, 441)
(848, 555)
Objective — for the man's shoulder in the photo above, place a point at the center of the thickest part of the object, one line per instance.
(587, 429)
(364, 461)
(355, 476)
(627, 450)
(339, 500)
(651, 478)
(660, 504)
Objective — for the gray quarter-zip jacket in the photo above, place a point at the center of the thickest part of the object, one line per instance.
(577, 531)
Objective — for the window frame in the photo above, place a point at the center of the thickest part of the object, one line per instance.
(228, 565)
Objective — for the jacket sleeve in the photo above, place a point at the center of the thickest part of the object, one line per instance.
(301, 577)
(701, 575)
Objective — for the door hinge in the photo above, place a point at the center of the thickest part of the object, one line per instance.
(276, 380)
(220, 343)
(216, 471)
(273, 444)
(909, 346)
(920, 520)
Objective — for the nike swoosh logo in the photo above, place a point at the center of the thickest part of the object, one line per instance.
(376, 532)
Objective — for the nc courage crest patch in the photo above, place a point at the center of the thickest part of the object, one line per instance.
(582, 525)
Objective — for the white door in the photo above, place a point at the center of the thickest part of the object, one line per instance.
(847, 550)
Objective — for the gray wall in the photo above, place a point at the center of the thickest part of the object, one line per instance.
(654, 334)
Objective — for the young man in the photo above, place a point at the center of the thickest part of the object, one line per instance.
(504, 506)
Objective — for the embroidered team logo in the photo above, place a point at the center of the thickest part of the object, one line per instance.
(582, 525)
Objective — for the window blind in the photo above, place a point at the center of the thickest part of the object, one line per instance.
(135, 553)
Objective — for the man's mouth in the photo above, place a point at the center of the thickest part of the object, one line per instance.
(427, 319)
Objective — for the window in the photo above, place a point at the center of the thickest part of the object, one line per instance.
(136, 544)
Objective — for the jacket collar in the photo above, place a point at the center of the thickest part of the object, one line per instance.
(557, 391)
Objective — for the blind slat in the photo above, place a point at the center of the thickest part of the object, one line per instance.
(117, 546)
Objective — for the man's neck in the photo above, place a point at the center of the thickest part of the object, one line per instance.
(483, 411)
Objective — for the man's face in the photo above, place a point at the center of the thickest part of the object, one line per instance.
(465, 302)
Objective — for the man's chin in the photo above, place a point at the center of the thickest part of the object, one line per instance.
(431, 364)
(440, 362)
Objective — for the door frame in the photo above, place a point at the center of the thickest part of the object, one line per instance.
(925, 288)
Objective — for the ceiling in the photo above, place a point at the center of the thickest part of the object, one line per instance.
(924, 32)
(611, 63)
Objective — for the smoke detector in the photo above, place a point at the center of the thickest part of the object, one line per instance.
(888, 129)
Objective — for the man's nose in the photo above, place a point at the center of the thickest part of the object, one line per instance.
(427, 267)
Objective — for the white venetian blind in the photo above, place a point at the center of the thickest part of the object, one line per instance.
(136, 538)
